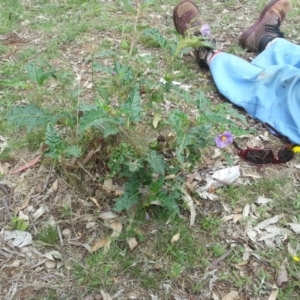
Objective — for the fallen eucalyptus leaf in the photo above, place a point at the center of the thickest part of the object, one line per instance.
(274, 293)
(108, 215)
(268, 222)
(116, 226)
(105, 296)
(190, 203)
(132, 243)
(233, 295)
(282, 274)
(295, 227)
(20, 238)
(101, 243)
(262, 200)
(175, 238)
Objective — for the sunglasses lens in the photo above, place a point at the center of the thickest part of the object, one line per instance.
(260, 156)
(285, 155)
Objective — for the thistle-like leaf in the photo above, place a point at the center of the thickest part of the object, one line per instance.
(156, 162)
(130, 196)
(156, 36)
(193, 42)
(30, 116)
(132, 106)
(99, 119)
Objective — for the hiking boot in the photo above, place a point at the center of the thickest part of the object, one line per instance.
(188, 21)
(266, 28)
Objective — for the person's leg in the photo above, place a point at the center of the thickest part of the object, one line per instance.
(266, 28)
(279, 52)
(265, 37)
(270, 95)
(188, 21)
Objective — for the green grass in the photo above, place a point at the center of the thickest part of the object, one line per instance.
(48, 235)
(99, 268)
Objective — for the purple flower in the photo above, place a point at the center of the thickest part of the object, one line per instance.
(205, 29)
(113, 73)
(224, 139)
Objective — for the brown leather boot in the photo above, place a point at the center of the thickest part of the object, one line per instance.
(187, 20)
(266, 28)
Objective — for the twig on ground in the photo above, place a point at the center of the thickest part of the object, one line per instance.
(215, 263)
(60, 236)
(48, 178)
(4, 201)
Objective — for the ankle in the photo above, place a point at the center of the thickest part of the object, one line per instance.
(271, 42)
(210, 55)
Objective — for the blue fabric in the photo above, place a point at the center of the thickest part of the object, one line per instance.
(268, 88)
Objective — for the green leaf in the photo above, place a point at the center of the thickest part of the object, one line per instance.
(106, 53)
(147, 3)
(202, 102)
(100, 119)
(132, 106)
(72, 151)
(30, 116)
(142, 27)
(104, 94)
(178, 120)
(105, 69)
(156, 186)
(193, 42)
(119, 157)
(239, 131)
(228, 158)
(170, 203)
(54, 142)
(12, 83)
(39, 72)
(233, 112)
(156, 162)
(155, 35)
(124, 73)
(130, 196)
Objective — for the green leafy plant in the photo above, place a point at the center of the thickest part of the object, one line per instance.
(65, 210)
(56, 146)
(18, 224)
(40, 71)
(148, 159)
(49, 235)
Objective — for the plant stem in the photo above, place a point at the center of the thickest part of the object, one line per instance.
(139, 9)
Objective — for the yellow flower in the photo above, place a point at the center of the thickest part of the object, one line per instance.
(296, 258)
(296, 149)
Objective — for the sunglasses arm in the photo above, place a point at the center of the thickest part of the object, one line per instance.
(236, 146)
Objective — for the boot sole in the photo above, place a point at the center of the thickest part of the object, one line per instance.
(176, 8)
(249, 30)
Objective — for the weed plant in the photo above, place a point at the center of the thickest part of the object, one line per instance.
(49, 235)
(18, 224)
(146, 147)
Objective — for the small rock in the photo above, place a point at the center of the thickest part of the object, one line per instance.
(157, 266)
(66, 232)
